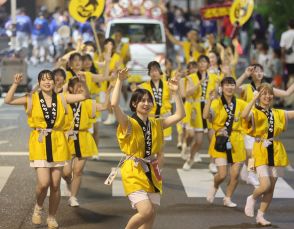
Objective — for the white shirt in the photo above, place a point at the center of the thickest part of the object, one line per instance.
(287, 40)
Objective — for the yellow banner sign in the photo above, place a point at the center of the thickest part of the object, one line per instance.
(82, 10)
(215, 11)
(241, 11)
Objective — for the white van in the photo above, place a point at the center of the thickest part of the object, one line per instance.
(146, 39)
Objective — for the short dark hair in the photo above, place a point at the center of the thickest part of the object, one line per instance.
(43, 73)
(291, 23)
(72, 56)
(60, 71)
(154, 64)
(109, 40)
(72, 82)
(192, 64)
(257, 66)
(201, 57)
(228, 80)
(138, 96)
(90, 43)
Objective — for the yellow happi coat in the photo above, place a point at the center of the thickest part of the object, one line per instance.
(258, 127)
(84, 145)
(132, 142)
(219, 117)
(36, 121)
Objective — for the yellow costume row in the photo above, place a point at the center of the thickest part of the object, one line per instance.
(257, 127)
(45, 141)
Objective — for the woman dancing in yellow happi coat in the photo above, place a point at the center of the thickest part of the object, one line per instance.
(81, 142)
(227, 144)
(265, 124)
(208, 83)
(48, 149)
(141, 138)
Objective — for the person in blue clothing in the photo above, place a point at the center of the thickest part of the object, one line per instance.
(86, 30)
(23, 29)
(41, 39)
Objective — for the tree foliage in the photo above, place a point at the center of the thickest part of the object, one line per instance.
(281, 11)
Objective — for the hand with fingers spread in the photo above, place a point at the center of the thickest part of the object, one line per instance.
(249, 70)
(123, 74)
(18, 77)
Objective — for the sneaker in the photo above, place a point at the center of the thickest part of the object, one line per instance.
(261, 220)
(212, 168)
(37, 215)
(188, 164)
(73, 202)
(52, 223)
(197, 157)
(252, 179)
(249, 207)
(110, 120)
(229, 203)
(211, 194)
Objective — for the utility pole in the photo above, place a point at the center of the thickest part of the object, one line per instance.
(13, 26)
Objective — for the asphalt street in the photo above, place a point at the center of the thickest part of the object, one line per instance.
(183, 203)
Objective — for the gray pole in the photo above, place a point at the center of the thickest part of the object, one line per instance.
(13, 20)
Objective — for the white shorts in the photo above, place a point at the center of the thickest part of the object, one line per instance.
(269, 171)
(249, 142)
(220, 161)
(46, 164)
(136, 197)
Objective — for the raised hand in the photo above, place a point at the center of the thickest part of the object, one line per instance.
(18, 77)
(173, 84)
(249, 70)
(81, 75)
(123, 74)
(212, 95)
(257, 94)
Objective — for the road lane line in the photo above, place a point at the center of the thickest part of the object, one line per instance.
(5, 172)
(3, 142)
(8, 128)
(197, 182)
(9, 116)
(283, 189)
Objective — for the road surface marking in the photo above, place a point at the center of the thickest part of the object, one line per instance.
(3, 142)
(5, 172)
(8, 128)
(197, 182)
(283, 189)
(9, 116)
